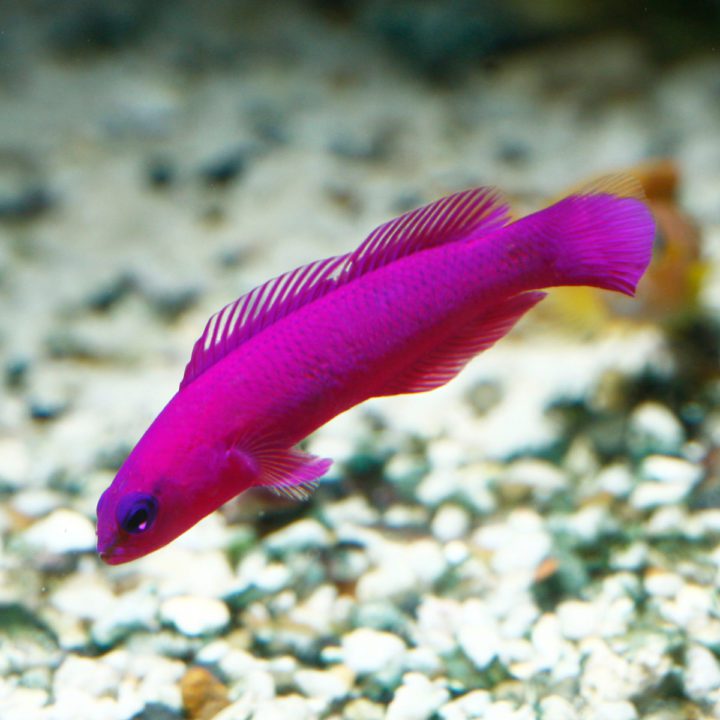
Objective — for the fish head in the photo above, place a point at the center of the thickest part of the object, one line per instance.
(156, 496)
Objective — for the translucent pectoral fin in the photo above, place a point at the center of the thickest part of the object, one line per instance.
(287, 471)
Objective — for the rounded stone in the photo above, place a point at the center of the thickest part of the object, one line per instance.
(193, 616)
(62, 531)
(417, 698)
(369, 651)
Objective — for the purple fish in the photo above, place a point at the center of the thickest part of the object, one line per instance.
(404, 313)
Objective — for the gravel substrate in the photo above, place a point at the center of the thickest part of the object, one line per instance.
(539, 539)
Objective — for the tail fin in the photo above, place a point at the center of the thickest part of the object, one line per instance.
(602, 236)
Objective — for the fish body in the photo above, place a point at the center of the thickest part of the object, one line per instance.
(403, 313)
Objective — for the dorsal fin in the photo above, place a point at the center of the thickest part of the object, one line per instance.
(449, 219)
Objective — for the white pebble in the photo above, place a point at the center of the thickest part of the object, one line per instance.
(36, 503)
(354, 510)
(702, 673)
(422, 660)
(588, 523)
(327, 684)
(477, 634)
(471, 482)
(668, 520)
(66, 707)
(578, 619)
(179, 571)
(417, 698)
(616, 480)
(303, 534)
(21, 703)
(555, 707)
(662, 583)
(363, 709)
(691, 607)
(666, 469)
(620, 710)
(456, 552)
(290, 707)
(86, 596)
(89, 676)
(471, 705)
(451, 522)
(195, 615)
(14, 462)
(63, 531)
(607, 676)
(437, 619)
(369, 651)
(666, 480)
(503, 710)
(402, 568)
(242, 709)
(633, 557)
(445, 454)
(237, 664)
(540, 476)
(130, 611)
(520, 543)
(649, 495)
(652, 424)
(548, 641)
(273, 578)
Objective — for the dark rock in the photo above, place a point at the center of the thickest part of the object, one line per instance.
(439, 38)
(368, 146)
(267, 123)
(160, 174)
(44, 411)
(406, 201)
(23, 191)
(158, 711)
(109, 295)
(62, 344)
(29, 203)
(16, 372)
(513, 152)
(91, 26)
(111, 458)
(226, 168)
(169, 305)
(380, 615)
(21, 627)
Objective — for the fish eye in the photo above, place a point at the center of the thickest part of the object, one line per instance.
(137, 512)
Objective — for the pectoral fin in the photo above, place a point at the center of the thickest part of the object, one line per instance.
(285, 471)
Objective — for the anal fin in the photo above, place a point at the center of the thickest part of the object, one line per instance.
(443, 363)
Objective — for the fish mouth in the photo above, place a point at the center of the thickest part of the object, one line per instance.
(109, 552)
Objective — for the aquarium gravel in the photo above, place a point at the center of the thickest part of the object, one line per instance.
(540, 539)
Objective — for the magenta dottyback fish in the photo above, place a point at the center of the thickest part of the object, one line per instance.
(404, 313)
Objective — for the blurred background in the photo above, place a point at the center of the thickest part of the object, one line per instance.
(538, 539)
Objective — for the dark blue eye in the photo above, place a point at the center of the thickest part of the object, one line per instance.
(136, 512)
